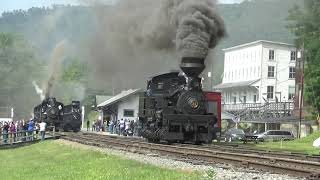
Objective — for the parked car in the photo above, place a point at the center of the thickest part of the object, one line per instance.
(275, 135)
(234, 134)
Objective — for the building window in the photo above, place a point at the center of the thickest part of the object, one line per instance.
(293, 56)
(254, 98)
(270, 92)
(291, 91)
(234, 100)
(271, 54)
(270, 71)
(128, 113)
(244, 99)
(292, 72)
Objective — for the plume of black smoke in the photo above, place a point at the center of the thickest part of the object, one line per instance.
(199, 27)
(139, 38)
(54, 68)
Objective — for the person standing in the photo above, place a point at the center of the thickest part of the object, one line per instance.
(122, 126)
(37, 127)
(19, 128)
(93, 126)
(111, 127)
(30, 129)
(88, 125)
(139, 127)
(135, 128)
(1, 126)
(42, 127)
(25, 130)
(13, 131)
(127, 127)
(5, 132)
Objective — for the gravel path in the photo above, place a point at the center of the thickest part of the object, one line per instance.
(222, 172)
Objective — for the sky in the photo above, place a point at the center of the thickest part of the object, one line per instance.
(9, 5)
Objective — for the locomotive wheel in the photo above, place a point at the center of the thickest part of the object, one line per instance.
(191, 102)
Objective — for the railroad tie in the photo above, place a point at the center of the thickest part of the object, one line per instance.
(314, 176)
(245, 164)
(273, 161)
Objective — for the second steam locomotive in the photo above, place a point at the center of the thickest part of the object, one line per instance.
(54, 113)
(175, 109)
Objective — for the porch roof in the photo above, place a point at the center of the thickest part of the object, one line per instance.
(235, 84)
(118, 97)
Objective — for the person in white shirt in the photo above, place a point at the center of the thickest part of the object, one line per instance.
(42, 130)
(122, 126)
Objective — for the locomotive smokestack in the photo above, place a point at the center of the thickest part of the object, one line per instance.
(192, 66)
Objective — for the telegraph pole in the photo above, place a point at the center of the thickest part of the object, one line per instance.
(300, 58)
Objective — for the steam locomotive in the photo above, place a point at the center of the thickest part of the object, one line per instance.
(175, 109)
(54, 113)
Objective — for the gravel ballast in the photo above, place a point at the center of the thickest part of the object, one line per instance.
(221, 171)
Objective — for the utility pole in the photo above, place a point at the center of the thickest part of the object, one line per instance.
(300, 58)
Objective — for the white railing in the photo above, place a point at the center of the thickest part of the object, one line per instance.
(24, 136)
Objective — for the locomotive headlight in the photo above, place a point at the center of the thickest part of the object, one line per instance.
(59, 107)
(193, 103)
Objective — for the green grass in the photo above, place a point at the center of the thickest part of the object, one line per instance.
(49, 160)
(303, 145)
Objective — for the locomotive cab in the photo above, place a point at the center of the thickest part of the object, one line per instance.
(165, 84)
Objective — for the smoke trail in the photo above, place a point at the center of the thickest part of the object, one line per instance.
(54, 67)
(199, 27)
(196, 25)
(39, 91)
(139, 38)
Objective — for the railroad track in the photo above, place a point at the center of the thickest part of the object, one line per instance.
(235, 148)
(300, 168)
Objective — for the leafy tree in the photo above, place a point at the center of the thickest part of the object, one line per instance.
(74, 71)
(73, 80)
(18, 68)
(306, 26)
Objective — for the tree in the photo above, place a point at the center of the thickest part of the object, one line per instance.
(75, 71)
(18, 68)
(306, 26)
(73, 80)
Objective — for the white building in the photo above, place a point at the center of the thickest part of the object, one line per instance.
(121, 106)
(258, 72)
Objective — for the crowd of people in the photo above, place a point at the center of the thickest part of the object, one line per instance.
(124, 127)
(21, 130)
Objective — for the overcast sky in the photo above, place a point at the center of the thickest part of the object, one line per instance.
(9, 5)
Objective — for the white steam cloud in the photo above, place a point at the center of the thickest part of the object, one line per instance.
(39, 91)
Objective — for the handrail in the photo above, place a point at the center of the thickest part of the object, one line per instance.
(24, 136)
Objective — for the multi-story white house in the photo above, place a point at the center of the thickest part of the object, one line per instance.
(258, 72)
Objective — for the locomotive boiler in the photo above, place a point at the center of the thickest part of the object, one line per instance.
(175, 109)
(54, 113)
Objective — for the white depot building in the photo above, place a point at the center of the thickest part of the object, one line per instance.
(124, 105)
(258, 72)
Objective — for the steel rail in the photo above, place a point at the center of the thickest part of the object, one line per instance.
(231, 148)
(276, 165)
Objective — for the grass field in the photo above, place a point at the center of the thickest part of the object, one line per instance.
(49, 160)
(303, 145)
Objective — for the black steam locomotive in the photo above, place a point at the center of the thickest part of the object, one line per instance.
(175, 109)
(54, 113)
